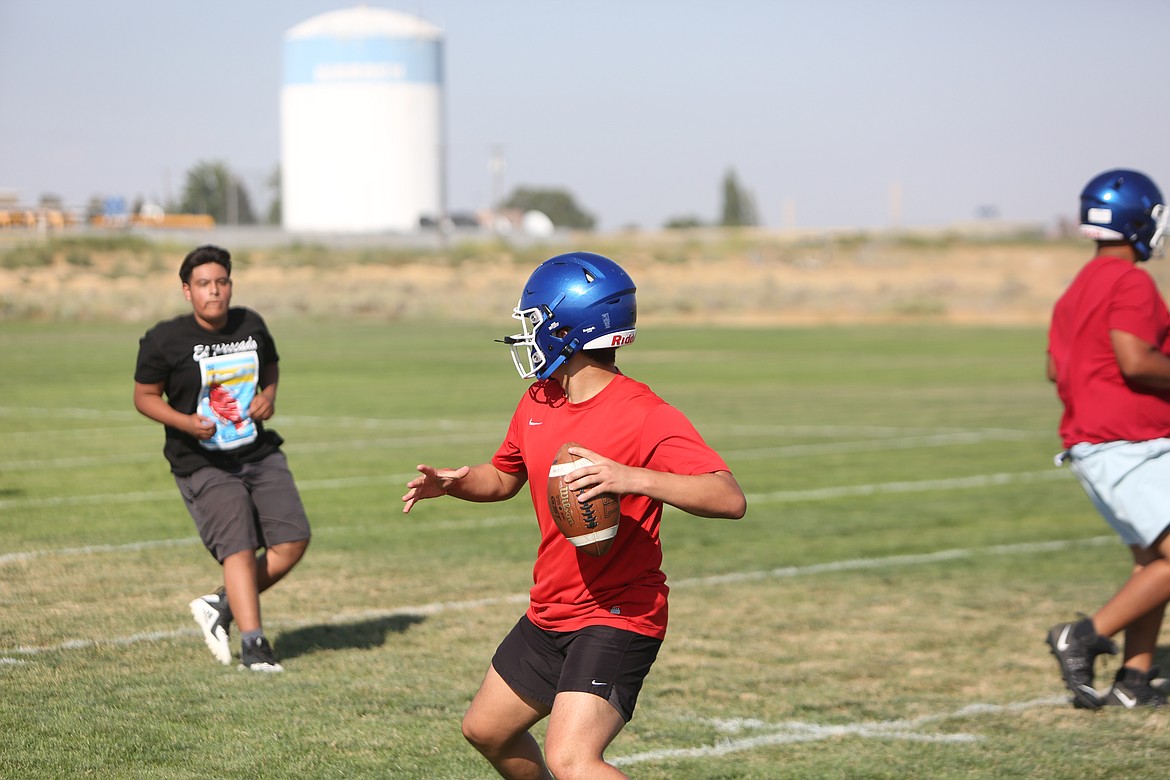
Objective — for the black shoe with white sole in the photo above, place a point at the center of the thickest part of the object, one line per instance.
(1132, 689)
(1076, 646)
(256, 656)
(214, 617)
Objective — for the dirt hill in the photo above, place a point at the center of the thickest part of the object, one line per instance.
(743, 279)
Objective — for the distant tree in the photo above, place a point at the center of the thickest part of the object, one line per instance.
(95, 207)
(212, 189)
(276, 207)
(557, 205)
(682, 223)
(738, 207)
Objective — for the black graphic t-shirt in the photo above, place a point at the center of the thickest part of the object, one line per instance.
(216, 373)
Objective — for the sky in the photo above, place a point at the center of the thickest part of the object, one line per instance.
(831, 113)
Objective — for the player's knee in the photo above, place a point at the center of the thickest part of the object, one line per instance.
(289, 553)
(481, 735)
(298, 549)
(568, 761)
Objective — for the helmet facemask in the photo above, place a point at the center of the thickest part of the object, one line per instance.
(1161, 215)
(525, 354)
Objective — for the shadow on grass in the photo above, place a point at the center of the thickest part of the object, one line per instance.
(362, 635)
(1162, 659)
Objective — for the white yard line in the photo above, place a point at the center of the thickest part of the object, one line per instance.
(872, 438)
(874, 445)
(889, 561)
(429, 439)
(173, 495)
(789, 732)
(435, 608)
(782, 496)
(416, 424)
(920, 486)
(336, 445)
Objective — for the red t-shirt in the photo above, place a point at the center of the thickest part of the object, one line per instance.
(1110, 293)
(625, 422)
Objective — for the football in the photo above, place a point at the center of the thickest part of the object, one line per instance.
(592, 525)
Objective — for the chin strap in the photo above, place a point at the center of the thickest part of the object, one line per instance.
(566, 353)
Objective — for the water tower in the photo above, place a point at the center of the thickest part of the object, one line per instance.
(361, 116)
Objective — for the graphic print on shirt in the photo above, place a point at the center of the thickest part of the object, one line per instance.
(228, 387)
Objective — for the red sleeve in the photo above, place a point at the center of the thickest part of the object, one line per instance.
(673, 445)
(1135, 307)
(508, 458)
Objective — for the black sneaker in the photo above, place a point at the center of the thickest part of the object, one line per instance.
(1132, 689)
(257, 656)
(214, 616)
(1076, 646)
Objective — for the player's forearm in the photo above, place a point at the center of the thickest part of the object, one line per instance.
(1150, 369)
(156, 408)
(1152, 374)
(704, 495)
(269, 378)
(1140, 362)
(484, 483)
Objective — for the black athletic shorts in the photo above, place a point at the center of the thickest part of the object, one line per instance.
(258, 506)
(608, 662)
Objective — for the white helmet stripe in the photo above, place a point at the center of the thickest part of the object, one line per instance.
(619, 338)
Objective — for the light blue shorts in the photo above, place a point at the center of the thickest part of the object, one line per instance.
(1129, 484)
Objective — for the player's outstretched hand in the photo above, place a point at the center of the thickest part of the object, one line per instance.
(431, 484)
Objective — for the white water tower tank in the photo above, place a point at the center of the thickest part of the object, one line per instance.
(361, 122)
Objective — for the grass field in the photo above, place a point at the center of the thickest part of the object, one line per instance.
(879, 613)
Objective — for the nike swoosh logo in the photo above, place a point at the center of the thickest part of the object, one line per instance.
(594, 682)
(1128, 701)
(1062, 640)
(535, 422)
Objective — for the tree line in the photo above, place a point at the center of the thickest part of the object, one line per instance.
(210, 187)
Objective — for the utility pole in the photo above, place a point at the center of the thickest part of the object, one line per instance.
(497, 166)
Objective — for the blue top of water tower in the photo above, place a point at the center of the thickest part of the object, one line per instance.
(363, 45)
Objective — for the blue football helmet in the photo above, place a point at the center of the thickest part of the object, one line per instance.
(576, 301)
(1124, 205)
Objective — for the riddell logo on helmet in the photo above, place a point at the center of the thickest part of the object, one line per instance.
(610, 340)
